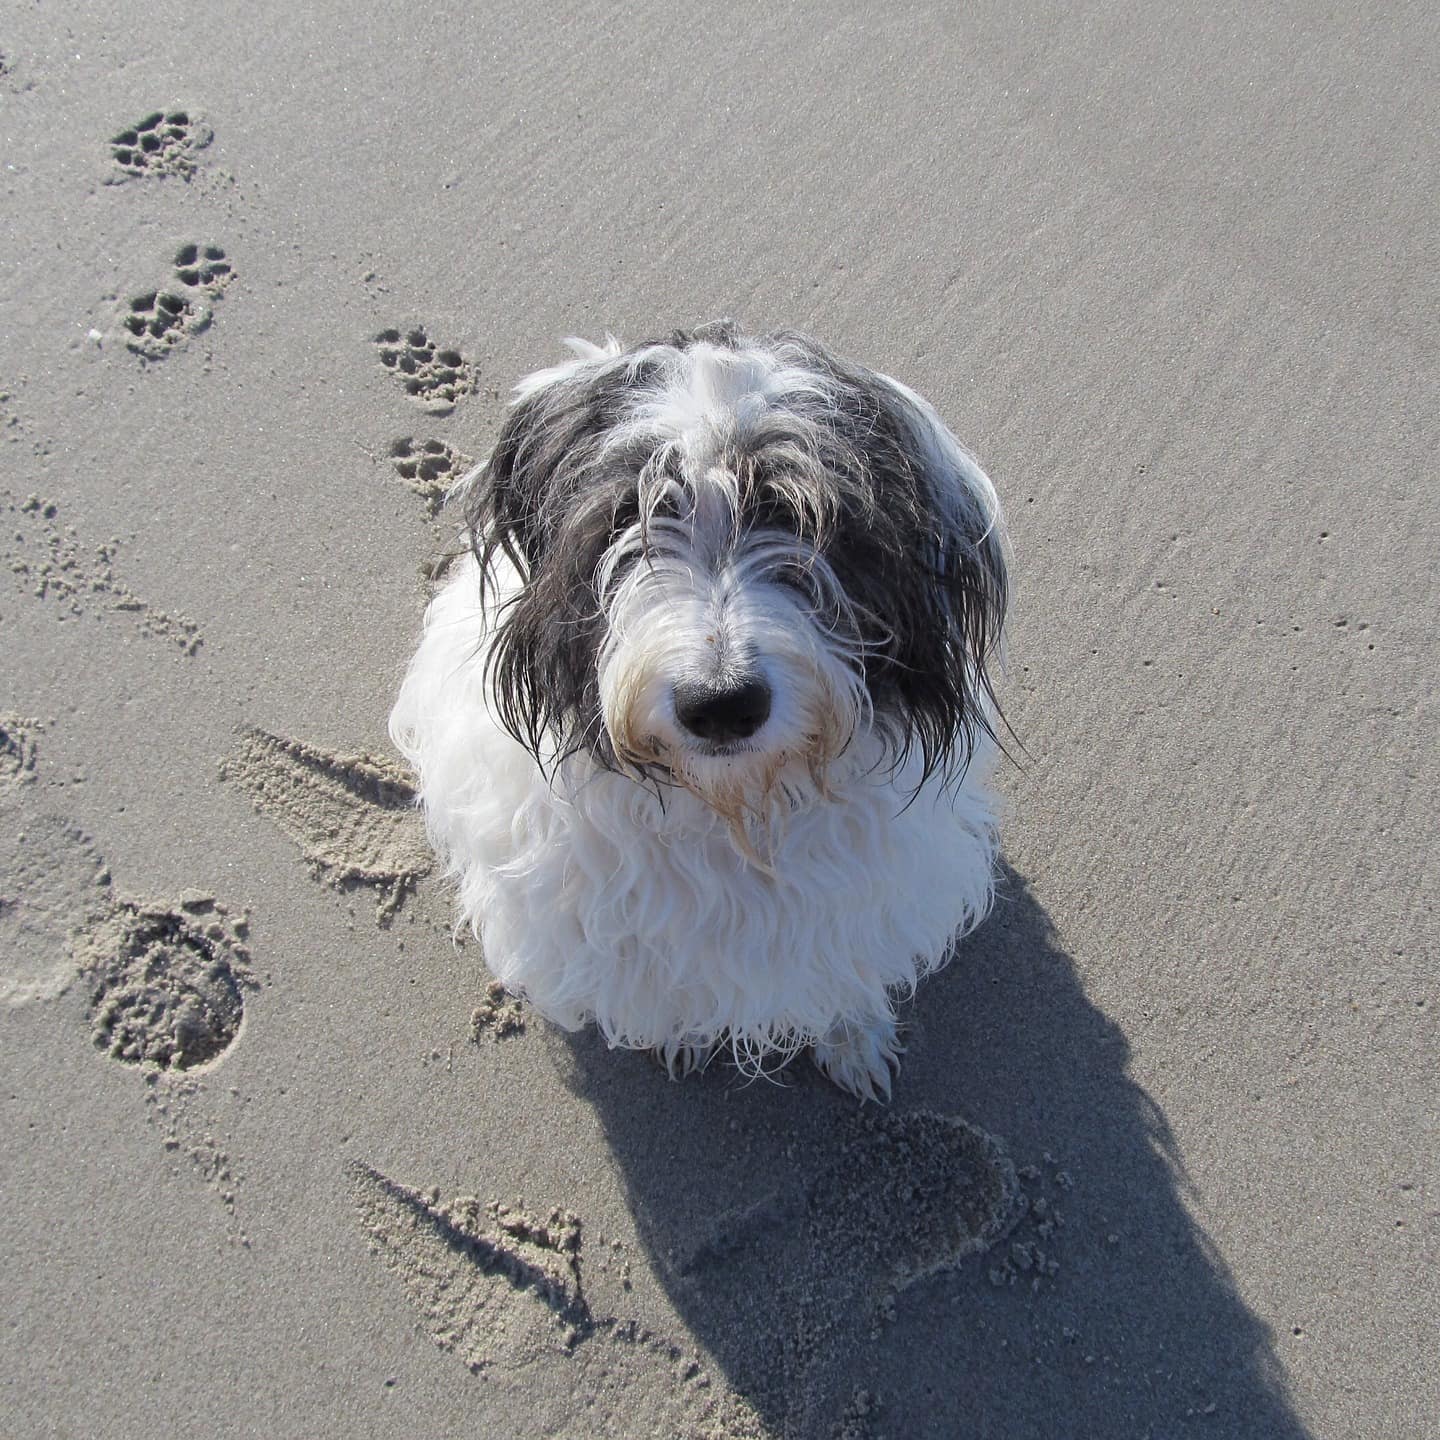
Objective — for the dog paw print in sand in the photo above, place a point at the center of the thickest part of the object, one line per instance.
(48, 557)
(203, 267)
(504, 1291)
(428, 467)
(353, 816)
(157, 321)
(165, 142)
(433, 377)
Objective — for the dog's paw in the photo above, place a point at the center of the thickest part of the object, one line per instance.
(862, 1056)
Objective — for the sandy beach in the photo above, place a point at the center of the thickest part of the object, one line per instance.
(275, 1157)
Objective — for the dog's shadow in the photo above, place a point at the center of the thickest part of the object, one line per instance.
(819, 1254)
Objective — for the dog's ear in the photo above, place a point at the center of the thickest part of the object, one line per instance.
(966, 551)
(502, 496)
(947, 586)
(543, 503)
(971, 571)
(513, 502)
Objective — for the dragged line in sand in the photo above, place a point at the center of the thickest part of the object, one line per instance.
(501, 1289)
(493, 1283)
(353, 816)
(809, 1274)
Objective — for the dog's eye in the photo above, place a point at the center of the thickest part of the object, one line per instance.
(766, 510)
(665, 505)
(795, 577)
(626, 512)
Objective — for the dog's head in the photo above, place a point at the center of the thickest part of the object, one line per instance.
(737, 557)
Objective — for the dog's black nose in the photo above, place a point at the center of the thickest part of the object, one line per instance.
(722, 712)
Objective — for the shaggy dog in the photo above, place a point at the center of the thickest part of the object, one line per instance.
(703, 723)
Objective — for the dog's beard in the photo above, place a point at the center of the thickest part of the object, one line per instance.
(753, 791)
